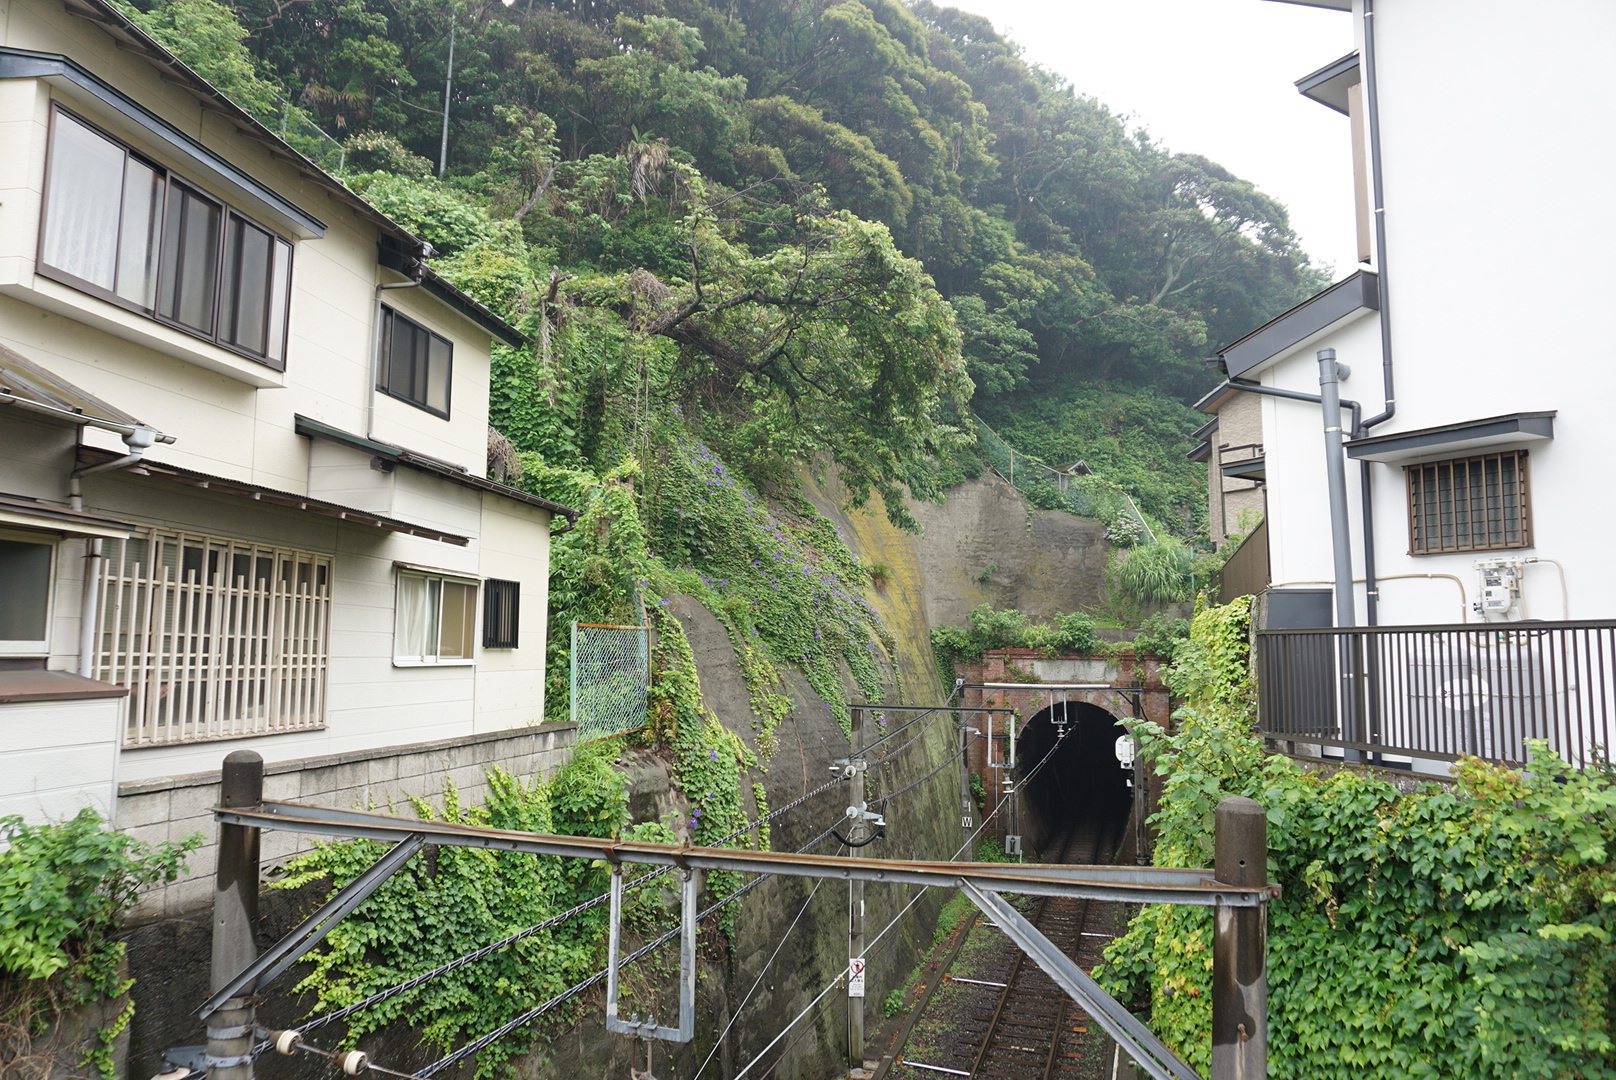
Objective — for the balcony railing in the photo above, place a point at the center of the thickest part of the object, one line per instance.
(1443, 691)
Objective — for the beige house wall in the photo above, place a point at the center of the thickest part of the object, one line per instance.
(1234, 505)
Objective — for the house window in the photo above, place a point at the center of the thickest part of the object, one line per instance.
(1469, 504)
(25, 582)
(215, 639)
(434, 619)
(501, 610)
(128, 231)
(414, 364)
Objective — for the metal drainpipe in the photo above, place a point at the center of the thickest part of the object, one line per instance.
(138, 440)
(1335, 471)
(1372, 105)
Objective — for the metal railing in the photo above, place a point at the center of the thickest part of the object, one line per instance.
(1443, 691)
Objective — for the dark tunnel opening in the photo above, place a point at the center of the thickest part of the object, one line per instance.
(1081, 780)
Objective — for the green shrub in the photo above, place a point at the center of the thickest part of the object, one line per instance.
(1465, 933)
(64, 890)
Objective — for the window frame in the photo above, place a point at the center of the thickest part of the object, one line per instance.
(496, 593)
(277, 322)
(384, 337)
(403, 572)
(1522, 521)
(35, 648)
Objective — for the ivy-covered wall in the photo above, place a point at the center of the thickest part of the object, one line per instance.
(1457, 933)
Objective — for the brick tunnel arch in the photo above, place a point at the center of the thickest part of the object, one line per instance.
(1081, 778)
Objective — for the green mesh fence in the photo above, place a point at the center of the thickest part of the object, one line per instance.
(303, 134)
(611, 671)
(1086, 496)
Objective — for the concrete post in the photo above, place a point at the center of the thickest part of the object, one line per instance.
(855, 906)
(235, 911)
(1240, 946)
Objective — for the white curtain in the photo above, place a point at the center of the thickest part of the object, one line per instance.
(82, 202)
(412, 619)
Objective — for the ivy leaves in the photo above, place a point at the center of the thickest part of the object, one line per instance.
(1463, 932)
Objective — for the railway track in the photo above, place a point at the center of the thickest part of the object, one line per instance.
(1008, 1020)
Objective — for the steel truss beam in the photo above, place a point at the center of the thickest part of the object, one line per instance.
(291, 948)
(1133, 885)
(1136, 1040)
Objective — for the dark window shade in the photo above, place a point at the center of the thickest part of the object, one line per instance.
(1469, 504)
(501, 612)
(416, 364)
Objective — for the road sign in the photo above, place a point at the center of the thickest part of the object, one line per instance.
(855, 977)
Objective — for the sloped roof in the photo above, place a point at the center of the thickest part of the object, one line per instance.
(132, 38)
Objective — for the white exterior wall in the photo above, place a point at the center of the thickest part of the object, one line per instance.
(234, 418)
(57, 757)
(510, 682)
(1499, 221)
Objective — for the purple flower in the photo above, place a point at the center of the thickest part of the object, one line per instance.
(712, 755)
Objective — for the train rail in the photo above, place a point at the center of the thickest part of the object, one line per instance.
(1008, 1020)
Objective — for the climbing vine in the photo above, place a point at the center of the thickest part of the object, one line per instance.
(1008, 628)
(446, 904)
(65, 888)
(1464, 932)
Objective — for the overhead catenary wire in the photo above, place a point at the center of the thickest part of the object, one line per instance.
(562, 998)
(555, 920)
(986, 820)
(566, 995)
(478, 954)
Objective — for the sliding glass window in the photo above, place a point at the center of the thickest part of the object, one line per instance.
(415, 364)
(124, 229)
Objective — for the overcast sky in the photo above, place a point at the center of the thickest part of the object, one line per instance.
(1212, 77)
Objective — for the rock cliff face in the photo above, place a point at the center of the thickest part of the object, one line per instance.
(790, 939)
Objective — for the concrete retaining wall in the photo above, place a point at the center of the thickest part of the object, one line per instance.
(385, 778)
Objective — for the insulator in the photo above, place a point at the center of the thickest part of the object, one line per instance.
(354, 1062)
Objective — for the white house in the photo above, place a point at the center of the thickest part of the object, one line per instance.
(243, 439)
(1484, 372)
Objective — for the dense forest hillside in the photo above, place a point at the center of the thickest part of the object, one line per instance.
(1086, 269)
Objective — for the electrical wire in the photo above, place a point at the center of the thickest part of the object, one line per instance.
(562, 998)
(555, 920)
(478, 954)
(736, 1015)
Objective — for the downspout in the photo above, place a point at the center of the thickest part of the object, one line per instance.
(138, 439)
(1372, 106)
(1335, 471)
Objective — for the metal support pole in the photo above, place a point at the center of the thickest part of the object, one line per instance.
(855, 922)
(1013, 784)
(235, 910)
(1240, 946)
(967, 811)
(448, 89)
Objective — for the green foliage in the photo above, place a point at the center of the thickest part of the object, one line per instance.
(64, 890)
(992, 628)
(207, 36)
(459, 899)
(1161, 635)
(990, 850)
(1157, 573)
(1453, 933)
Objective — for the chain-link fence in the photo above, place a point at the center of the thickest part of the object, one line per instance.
(611, 671)
(1072, 489)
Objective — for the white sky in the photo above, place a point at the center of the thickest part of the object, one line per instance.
(1212, 77)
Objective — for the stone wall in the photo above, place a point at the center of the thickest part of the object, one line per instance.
(384, 778)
